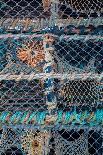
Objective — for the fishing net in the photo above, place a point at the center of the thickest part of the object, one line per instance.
(25, 8)
(51, 77)
(62, 141)
(84, 7)
(76, 68)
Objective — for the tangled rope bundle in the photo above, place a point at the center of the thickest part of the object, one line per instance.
(32, 53)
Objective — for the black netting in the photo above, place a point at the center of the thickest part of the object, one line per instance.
(51, 77)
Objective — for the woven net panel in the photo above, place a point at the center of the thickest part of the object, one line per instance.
(35, 142)
(34, 16)
(51, 77)
(23, 60)
(24, 8)
(79, 93)
(62, 141)
(22, 95)
(10, 141)
(21, 141)
(70, 142)
(75, 57)
(84, 6)
(71, 56)
(78, 56)
(21, 56)
(65, 146)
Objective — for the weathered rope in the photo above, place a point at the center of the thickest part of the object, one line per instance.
(38, 24)
(70, 37)
(49, 69)
(73, 76)
(41, 118)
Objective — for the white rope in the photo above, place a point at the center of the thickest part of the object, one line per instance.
(69, 37)
(73, 76)
(82, 37)
(40, 24)
(16, 36)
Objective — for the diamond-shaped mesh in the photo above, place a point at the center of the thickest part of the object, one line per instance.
(51, 77)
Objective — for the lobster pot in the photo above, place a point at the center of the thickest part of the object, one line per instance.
(64, 146)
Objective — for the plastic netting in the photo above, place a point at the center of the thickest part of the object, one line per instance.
(42, 8)
(64, 142)
(51, 77)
